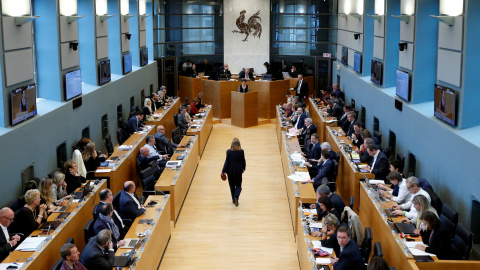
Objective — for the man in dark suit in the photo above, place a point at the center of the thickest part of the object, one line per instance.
(130, 207)
(338, 92)
(307, 131)
(300, 120)
(246, 74)
(183, 124)
(379, 165)
(164, 144)
(106, 197)
(347, 127)
(363, 153)
(325, 168)
(333, 109)
(338, 204)
(350, 256)
(225, 70)
(135, 122)
(328, 147)
(356, 137)
(7, 242)
(105, 221)
(301, 89)
(98, 254)
(343, 118)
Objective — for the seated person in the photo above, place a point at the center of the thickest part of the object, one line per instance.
(193, 106)
(288, 109)
(314, 151)
(7, 240)
(299, 121)
(307, 130)
(144, 159)
(348, 125)
(106, 197)
(105, 221)
(130, 207)
(72, 178)
(436, 235)
(46, 195)
(199, 104)
(403, 195)
(28, 218)
(153, 152)
(341, 120)
(325, 170)
(135, 122)
(289, 97)
(363, 153)
(99, 254)
(246, 74)
(147, 107)
(326, 206)
(329, 232)
(163, 143)
(296, 100)
(356, 136)
(422, 205)
(154, 100)
(268, 67)
(325, 96)
(327, 146)
(379, 165)
(189, 114)
(324, 191)
(82, 143)
(413, 186)
(243, 88)
(334, 110)
(59, 187)
(350, 256)
(183, 123)
(70, 256)
(225, 70)
(293, 72)
(377, 263)
(92, 160)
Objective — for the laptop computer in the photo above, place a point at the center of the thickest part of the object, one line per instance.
(65, 207)
(50, 225)
(124, 260)
(130, 242)
(286, 75)
(86, 189)
(406, 228)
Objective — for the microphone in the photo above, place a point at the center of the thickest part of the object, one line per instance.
(48, 229)
(156, 188)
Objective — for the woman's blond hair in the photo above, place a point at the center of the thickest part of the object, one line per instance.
(236, 145)
(88, 152)
(46, 190)
(31, 195)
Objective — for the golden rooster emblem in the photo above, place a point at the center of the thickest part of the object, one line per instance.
(253, 25)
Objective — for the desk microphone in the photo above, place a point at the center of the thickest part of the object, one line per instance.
(48, 229)
(157, 189)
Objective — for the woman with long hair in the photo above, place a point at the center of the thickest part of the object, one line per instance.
(59, 187)
(234, 167)
(91, 159)
(147, 106)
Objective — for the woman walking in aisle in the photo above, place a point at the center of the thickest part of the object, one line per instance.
(234, 167)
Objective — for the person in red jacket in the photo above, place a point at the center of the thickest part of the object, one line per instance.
(193, 106)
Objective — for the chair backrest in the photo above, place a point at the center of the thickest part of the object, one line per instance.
(116, 200)
(393, 268)
(94, 213)
(462, 243)
(339, 154)
(121, 135)
(175, 119)
(401, 158)
(378, 135)
(388, 152)
(352, 202)
(16, 203)
(449, 225)
(367, 244)
(108, 144)
(314, 129)
(70, 241)
(134, 109)
(127, 129)
(155, 169)
(425, 184)
(449, 213)
(57, 265)
(148, 183)
(435, 200)
(88, 230)
(176, 135)
(335, 166)
(377, 250)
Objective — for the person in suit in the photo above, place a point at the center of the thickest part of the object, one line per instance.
(343, 118)
(72, 178)
(349, 256)
(337, 201)
(328, 147)
(193, 72)
(183, 124)
(246, 74)
(325, 169)
(163, 143)
(106, 197)
(243, 88)
(301, 89)
(434, 234)
(155, 102)
(225, 70)
(268, 67)
(293, 72)
(205, 66)
(338, 92)
(299, 121)
(334, 109)
(144, 160)
(315, 151)
(347, 126)
(130, 207)
(71, 257)
(306, 131)
(7, 241)
(328, 235)
(326, 206)
(363, 153)
(28, 218)
(135, 122)
(152, 149)
(99, 254)
(379, 165)
(234, 167)
(356, 136)
(105, 221)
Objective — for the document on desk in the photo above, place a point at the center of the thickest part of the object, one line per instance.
(103, 170)
(417, 252)
(374, 181)
(318, 244)
(31, 243)
(331, 121)
(322, 260)
(3, 266)
(297, 178)
(316, 224)
(293, 132)
(125, 147)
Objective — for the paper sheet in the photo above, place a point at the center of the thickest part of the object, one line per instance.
(417, 252)
(125, 147)
(293, 132)
(318, 244)
(297, 178)
(103, 170)
(31, 243)
(316, 224)
(373, 181)
(3, 266)
(322, 260)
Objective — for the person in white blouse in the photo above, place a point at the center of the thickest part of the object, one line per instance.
(396, 179)
(413, 186)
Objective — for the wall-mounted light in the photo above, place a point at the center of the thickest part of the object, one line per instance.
(16, 8)
(101, 7)
(105, 17)
(407, 7)
(68, 7)
(356, 15)
(142, 7)
(402, 46)
(403, 18)
(448, 20)
(343, 15)
(126, 17)
(356, 36)
(21, 20)
(124, 7)
(128, 36)
(380, 7)
(74, 46)
(71, 19)
(376, 17)
(451, 7)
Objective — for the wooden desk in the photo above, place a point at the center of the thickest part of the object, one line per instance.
(270, 93)
(72, 227)
(348, 179)
(126, 168)
(279, 127)
(151, 251)
(244, 109)
(178, 182)
(189, 87)
(318, 118)
(166, 117)
(204, 130)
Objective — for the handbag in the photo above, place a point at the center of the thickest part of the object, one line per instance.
(223, 176)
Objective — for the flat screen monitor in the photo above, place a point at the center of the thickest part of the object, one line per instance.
(24, 103)
(357, 62)
(73, 84)
(376, 72)
(127, 63)
(345, 55)
(143, 56)
(104, 76)
(403, 85)
(445, 101)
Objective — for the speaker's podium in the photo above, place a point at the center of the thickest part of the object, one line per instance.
(244, 109)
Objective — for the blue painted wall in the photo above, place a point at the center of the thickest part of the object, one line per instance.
(87, 44)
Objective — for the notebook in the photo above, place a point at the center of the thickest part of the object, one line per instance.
(65, 207)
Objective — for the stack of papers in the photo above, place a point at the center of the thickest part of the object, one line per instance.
(293, 132)
(322, 260)
(297, 178)
(374, 182)
(103, 170)
(125, 147)
(417, 252)
(318, 244)
(308, 212)
(316, 224)
(305, 175)
(31, 243)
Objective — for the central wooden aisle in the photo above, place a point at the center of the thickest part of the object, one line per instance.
(211, 233)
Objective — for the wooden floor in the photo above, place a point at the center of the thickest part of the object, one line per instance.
(212, 233)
